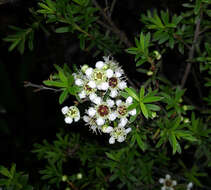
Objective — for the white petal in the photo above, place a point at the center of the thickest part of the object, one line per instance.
(118, 72)
(104, 86)
(92, 96)
(123, 122)
(99, 64)
(111, 140)
(132, 112)
(110, 103)
(86, 118)
(174, 182)
(99, 87)
(92, 84)
(122, 85)
(68, 120)
(91, 112)
(129, 100)
(161, 180)
(78, 82)
(100, 121)
(128, 130)
(82, 94)
(108, 129)
(88, 72)
(65, 110)
(109, 73)
(112, 116)
(77, 118)
(190, 185)
(163, 188)
(97, 100)
(113, 93)
(120, 139)
(168, 176)
(118, 102)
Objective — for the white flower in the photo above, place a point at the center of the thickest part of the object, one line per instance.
(71, 113)
(110, 103)
(168, 184)
(91, 112)
(107, 129)
(119, 134)
(92, 84)
(88, 72)
(82, 94)
(91, 121)
(104, 86)
(65, 110)
(99, 64)
(112, 116)
(68, 120)
(92, 96)
(97, 100)
(123, 122)
(79, 82)
(109, 73)
(112, 140)
(122, 85)
(189, 186)
(114, 93)
(100, 121)
(132, 112)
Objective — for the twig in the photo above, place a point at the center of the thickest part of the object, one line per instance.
(191, 52)
(180, 39)
(39, 87)
(114, 28)
(72, 185)
(112, 7)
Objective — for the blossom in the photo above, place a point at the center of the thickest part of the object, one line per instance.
(168, 183)
(71, 113)
(102, 110)
(122, 110)
(119, 134)
(91, 121)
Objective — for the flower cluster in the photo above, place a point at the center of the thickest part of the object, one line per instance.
(101, 86)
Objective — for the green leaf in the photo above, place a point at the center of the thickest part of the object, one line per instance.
(141, 144)
(174, 143)
(54, 83)
(5, 172)
(142, 91)
(132, 106)
(152, 99)
(14, 44)
(109, 155)
(62, 29)
(132, 93)
(144, 110)
(63, 96)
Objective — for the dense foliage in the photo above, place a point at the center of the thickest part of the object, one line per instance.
(140, 131)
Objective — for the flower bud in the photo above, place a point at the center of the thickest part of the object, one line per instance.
(154, 114)
(157, 55)
(79, 176)
(64, 178)
(67, 188)
(84, 68)
(185, 108)
(149, 73)
(186, 120)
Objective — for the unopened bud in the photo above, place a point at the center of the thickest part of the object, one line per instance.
(157, 55)
(79, 176)
(186, 120)
(84, 68)
(67, 188)
(64, 178)
(149, 73)
(185, 107)
(154, 114)
(105, 66)
(180, 100)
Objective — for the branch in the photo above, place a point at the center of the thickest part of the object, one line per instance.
(191, 52)
(39, 87)
(114, 28)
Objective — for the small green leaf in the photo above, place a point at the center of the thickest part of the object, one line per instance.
(62, 29)
(152, 99)
(142, 91)
(54, 83)
(144, 110)
(63, 96)
(141, 144)
(5, 172)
